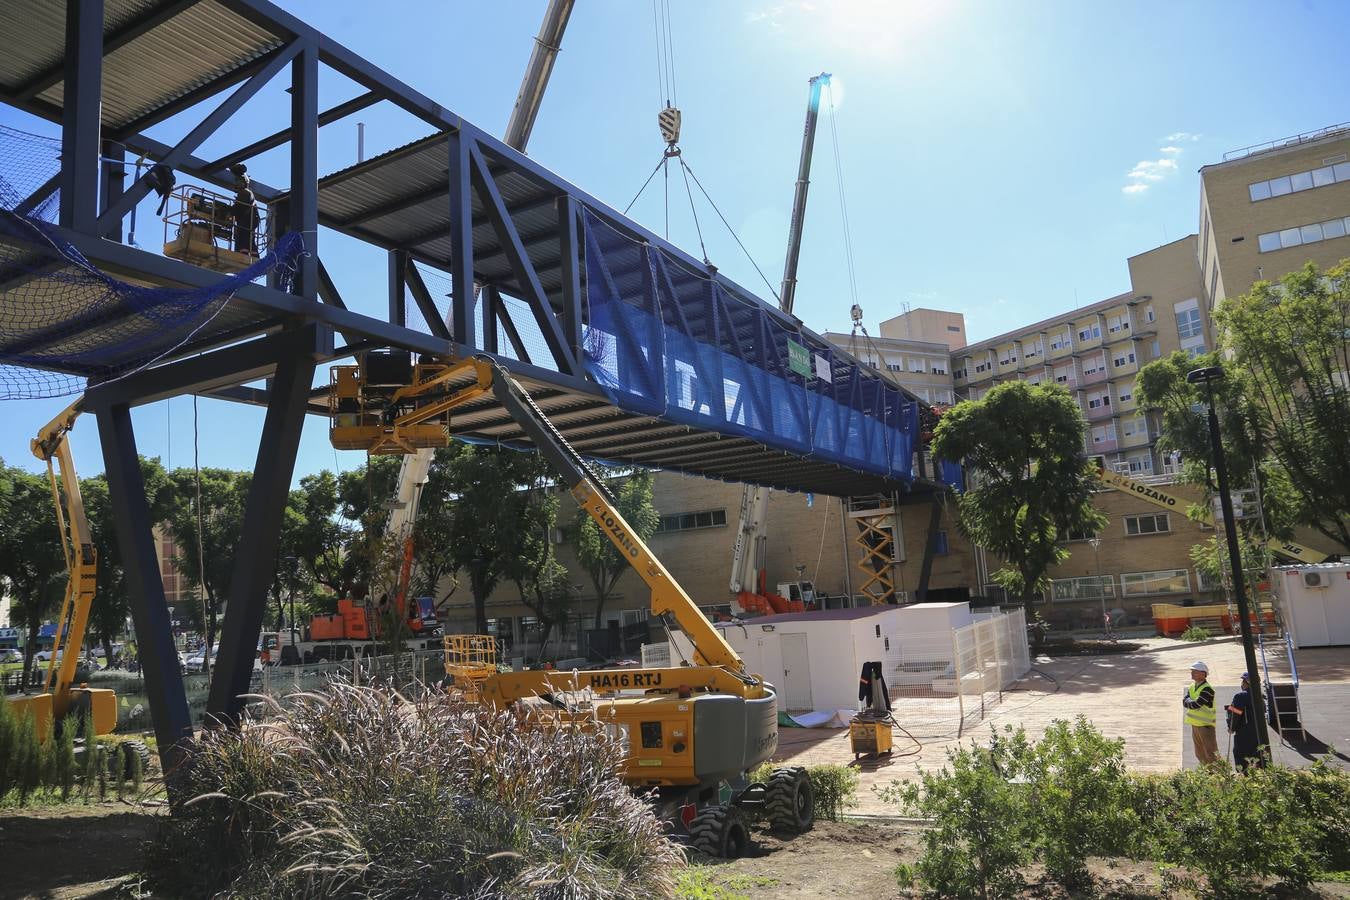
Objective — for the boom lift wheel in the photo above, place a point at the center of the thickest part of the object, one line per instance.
(720, 831)
(790, 801)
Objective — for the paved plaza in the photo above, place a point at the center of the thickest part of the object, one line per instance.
(1134, 696)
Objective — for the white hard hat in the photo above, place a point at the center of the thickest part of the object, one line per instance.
(1198, 666)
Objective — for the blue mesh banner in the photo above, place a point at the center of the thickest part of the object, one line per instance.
(671, 342)
(949, 473)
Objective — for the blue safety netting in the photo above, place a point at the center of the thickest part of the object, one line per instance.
(949, 473)
(62, 320)
(667, 340)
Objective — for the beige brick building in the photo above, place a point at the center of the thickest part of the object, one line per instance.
(933, 326)
(1268, 209)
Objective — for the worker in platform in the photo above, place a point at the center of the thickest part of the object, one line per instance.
(1198, 701)
(1242, 726)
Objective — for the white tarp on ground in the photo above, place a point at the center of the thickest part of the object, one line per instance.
(827, 718)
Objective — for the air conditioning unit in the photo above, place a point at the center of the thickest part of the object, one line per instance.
(1314, 580)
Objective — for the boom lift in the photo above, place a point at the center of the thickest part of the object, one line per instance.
(60, 697)
(692, 732)
(1158, 497)
(412, 475)
(749, 574)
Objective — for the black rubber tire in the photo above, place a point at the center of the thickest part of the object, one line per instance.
(135, 748)
(720, 831)
(790, 800)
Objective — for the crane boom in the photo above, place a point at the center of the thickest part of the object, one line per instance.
(750, 558)
(412, 473)
(1157, 497)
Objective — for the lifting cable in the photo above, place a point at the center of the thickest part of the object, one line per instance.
(201, 546)
(843, 199)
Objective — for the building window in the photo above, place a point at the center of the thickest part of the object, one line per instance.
(1148, 524)
(1303, 234)
(1188, 322)
(1148, 314)
(1062, 374)
(1299, 181)
(1156, 350)
(1125, 391)
(1094, 365)
(940, 544)
(1074, 536)
(954, 328)
(894, 367)
(1103, 433)
(1141, 464)
(1117, 324)
(1092, 331)
(939, 369)
(1089, 587)
(1124, 359)
(916, 365)
(1166, 581)
(1097, 401)
(709, 518)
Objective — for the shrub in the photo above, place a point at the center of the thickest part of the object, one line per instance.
(356, 791)
(90, 768)
(835, 787)
(135, 771)
(9, 728)
(1076, 788)
(978, 839)
(1234, 831)
(27, 757)
(65, 761)
(1196, 633)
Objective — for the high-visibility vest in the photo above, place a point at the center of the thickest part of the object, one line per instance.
(1204, 715)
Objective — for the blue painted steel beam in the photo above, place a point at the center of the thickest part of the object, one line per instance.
(80, 124)
(398, 287)
(149, 612)
(422, 297)
(302, 204)
(272, 141)
(460, 180)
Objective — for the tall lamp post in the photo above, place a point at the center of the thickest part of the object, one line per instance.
(1096, 543)
(1207, 377)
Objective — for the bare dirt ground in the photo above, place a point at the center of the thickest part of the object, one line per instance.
(66, 852)
(858, 860)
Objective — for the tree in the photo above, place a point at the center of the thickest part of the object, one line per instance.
(1033, 486)
(498, 509)
(1290, 344)
(208, 566)
(108, 614)
(30, 553)
(597, 555)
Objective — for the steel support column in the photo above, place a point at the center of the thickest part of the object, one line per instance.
(154, 639)
(461, 237)
(111, 184)
(80, 123)
(570, 253)
(398, 287)
(254, 562)
(489, 301)
(929, 549)
(303, 202)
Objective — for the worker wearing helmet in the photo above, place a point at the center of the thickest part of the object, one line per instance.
(1242, 726)
(1198, 702)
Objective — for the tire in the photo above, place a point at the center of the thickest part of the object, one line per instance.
(720, 831)
(135, 748)
(790, 801)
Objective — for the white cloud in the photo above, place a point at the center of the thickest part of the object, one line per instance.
(1170, 150)
(1180, 136)
(1147, 172)
(1152, 169)
(1134, 188)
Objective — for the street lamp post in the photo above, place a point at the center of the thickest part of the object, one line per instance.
(1096, 543)
(1207, 377)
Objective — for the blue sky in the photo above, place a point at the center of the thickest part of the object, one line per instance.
(1000, 159)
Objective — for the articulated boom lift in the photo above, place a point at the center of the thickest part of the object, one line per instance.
(692, 732)
(60, 697)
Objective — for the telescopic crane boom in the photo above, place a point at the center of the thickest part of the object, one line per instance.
(412, 474)
(749, 580)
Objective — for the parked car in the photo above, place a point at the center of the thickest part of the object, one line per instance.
(193, 664)
(10, 655)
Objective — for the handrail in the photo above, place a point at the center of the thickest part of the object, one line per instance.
(1292, 140)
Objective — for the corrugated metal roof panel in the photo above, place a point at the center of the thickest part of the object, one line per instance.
(197, 46)
(34, 34)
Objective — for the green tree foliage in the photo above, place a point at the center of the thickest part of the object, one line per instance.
(499, 512)
(1291, 343)
(207, 567)
(1032, 486)
(108, 613)
(30, 553)
(598, 556)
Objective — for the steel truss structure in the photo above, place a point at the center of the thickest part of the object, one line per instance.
(458, 200)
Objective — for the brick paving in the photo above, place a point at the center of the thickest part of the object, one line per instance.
(1134, 696)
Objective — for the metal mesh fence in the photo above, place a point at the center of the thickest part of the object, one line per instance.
(943, 682)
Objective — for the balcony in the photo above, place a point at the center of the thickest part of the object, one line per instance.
(1101, 446)
(1098, 414)
(1096, 377)
(1140, 438)
(1059, 352)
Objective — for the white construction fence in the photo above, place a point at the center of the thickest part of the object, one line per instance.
(943, 682)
